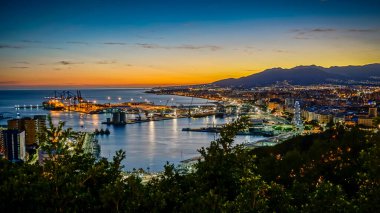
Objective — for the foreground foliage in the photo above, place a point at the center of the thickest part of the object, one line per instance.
(336, 171)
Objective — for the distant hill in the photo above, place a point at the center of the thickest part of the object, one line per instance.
(306, 75)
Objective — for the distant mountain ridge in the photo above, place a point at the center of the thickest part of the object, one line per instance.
(307, 75)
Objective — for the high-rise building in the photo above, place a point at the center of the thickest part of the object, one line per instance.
(30, 131)
(2, 141)
(16, 124)
(40, 125)
(289, 102)
(14, 145)
(297, 114)
(372, 112)
(31, 126)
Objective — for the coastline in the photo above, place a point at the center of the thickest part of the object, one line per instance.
(158, 142)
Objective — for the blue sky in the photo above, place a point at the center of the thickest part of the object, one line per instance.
(171, 41)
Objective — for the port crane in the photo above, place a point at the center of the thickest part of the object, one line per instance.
(67, 96)
(191, 103)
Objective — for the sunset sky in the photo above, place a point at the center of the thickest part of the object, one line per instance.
(149, 43)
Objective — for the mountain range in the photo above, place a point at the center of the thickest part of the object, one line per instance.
(308, 75)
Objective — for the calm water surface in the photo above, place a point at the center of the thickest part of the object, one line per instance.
(149, 144)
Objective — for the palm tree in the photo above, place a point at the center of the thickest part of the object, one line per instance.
(55, 139)
(376, 121)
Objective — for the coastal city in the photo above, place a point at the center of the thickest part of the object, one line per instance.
(277, 112)
(187, 106)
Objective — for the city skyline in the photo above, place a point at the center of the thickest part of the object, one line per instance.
(148, 43)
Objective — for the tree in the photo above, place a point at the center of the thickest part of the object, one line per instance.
(337, 170)
(376, 121)
(328, 198)
(69, 180)
(55, 139)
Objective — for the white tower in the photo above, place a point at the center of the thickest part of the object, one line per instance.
(297, 121)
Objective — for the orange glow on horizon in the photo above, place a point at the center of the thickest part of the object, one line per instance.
(200, 72)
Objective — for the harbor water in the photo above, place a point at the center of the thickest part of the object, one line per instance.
(148, 145)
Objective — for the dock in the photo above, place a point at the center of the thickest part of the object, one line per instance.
(28, 106)
(203, 129)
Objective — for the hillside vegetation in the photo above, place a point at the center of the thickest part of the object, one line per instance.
(336, 171)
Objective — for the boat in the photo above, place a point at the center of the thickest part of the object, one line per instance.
(107, 131)
(219, 114)
(102, 132)
(203, 129)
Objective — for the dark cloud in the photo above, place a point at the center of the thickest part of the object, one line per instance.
(252, 49)
(314, 30)
(6, 46)
(115, 43)
(192, 47)
(364, 30)
(323, 30)
(280, 51)
(11, 46)
(19, 67)
(149, 37)
(313, 33)
(64, 62)
(106, 62)
(150, 46)
(53, 48)
(248, 50)
(77, 42)
(69, 62)
(305, 34)
(30, 41)
(185, 47)
(300, 37)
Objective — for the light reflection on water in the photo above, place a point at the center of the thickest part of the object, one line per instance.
(148, 144)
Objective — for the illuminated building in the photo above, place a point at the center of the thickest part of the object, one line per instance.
(14, 145)
(297, 114)
(2, 141)
(367, 122)
(32, 127)
(372, 112)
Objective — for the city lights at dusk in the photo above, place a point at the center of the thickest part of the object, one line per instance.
(189, 106)
(153, 43)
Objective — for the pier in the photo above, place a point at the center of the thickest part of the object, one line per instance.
(28, 106)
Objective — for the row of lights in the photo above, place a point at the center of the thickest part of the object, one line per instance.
(25, 106)
(119, 98)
